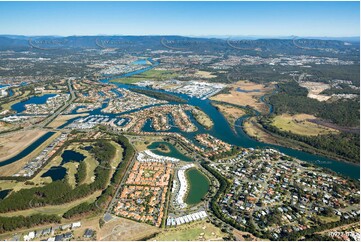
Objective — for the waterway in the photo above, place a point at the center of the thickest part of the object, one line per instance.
(27, 150)
(222, 130)
(20, 106)
(198, 186)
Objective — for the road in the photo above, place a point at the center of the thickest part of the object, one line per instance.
(50, 118)
(113, 201)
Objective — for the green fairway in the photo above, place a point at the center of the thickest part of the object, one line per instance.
(156, 75)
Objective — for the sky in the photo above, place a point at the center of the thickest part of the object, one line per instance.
(331, 19)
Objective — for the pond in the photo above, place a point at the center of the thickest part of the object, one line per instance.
(198, 186)
(71, 155)
(4, 193)
(58, 172)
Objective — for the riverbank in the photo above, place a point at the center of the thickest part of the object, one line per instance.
(255, 130)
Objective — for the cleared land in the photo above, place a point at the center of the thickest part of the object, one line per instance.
(6, 126)
(125, 229)
(205, 74)
(245, 93)
(195, 231)
(231, 113)
(14, 167)
(13, 143)
(155, 74)
(299, 124)
(245, 236)
(314, 90)
(62, 119)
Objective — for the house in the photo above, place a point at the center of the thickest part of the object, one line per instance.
(76, 225)
(88, 233)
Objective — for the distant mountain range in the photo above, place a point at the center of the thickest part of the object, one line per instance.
(20, 42)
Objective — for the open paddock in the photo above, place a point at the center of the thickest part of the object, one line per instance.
(245, 93)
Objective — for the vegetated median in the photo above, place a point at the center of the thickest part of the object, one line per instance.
(159, 95)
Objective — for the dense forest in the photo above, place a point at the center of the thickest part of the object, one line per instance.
(292, 99)
(12, 223)
(160, 95)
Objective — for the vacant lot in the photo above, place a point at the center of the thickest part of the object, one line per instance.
(299, 124)
(245, 93)
(314, 90)
(125, 229)
(62, 119)
(194, 231)
(13, 143)
(245, 236)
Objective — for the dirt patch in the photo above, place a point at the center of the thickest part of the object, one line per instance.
(197, 231)
(120, 229)
(13, 143)
(314, 90)
(245, 236)
(14, 167)
(245, 93)
(62, 119)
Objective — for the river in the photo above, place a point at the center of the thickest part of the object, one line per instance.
(222, 130)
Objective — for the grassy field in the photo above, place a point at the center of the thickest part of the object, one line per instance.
(157, 75)
(141, 143)
(231, 113)
(298, 124)
(71, 170)
(203, 119)
(195, 231)
(325, 219)
(251, 95)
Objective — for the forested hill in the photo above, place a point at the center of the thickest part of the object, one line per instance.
(139, 43)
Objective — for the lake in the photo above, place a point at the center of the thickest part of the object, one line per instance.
(198, 186)
(20, 106)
